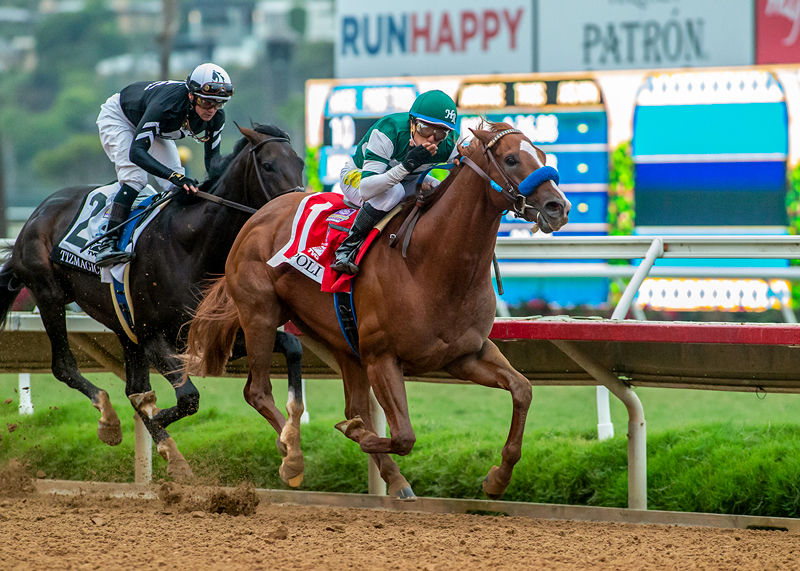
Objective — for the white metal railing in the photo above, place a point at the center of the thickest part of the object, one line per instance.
(648, 249)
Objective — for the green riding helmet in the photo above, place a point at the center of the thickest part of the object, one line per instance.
(435, 107)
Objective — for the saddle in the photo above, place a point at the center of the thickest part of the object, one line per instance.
(322, 222)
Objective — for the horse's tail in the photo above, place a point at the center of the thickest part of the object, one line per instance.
(212, 332)
(10, 286)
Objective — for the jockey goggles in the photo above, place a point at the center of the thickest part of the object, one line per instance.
(216, 89)
(204, 103)
(425, 130)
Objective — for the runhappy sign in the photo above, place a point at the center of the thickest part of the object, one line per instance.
(419, 37)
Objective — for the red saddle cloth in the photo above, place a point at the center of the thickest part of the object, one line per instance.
(321, 223)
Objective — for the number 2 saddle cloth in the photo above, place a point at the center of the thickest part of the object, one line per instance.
(321, 223)
(92, 221)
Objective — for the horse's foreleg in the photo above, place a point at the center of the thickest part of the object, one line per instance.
(491, 369)
(359, 424)
(143, 400)
(65, 368)
(258, 316)
(160, 354)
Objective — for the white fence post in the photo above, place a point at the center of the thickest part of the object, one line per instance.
(143, 452)
(25, 402)
(376, 484)
(605, 428)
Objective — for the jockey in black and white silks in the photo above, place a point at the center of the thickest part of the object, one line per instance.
(138, 128)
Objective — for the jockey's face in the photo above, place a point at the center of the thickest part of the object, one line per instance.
(205, 112)
(425, 133)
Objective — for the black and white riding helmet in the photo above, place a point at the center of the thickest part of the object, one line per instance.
(210, 81)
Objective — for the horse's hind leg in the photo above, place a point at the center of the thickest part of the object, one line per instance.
(65, 368)
(143, 400)
(359, 425)
(259, 316)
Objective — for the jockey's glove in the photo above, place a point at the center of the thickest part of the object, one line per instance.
(179, 180)
(416, 157)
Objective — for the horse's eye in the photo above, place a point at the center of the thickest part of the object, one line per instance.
(266, 166)
(511, 160)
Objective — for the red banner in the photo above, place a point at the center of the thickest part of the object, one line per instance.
(777, 31)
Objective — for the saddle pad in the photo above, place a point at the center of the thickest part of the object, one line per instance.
(313, 242)
(91, 221)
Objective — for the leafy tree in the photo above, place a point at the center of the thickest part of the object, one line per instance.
(74, 161)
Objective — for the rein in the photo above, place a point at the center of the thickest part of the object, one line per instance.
(251, 154)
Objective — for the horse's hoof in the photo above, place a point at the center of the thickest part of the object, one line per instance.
(401, 490)
(348, 426)
(109, 432)
(292, 471)
(179, 470)
(177, 466)
(491, 487)
(296, 481)
(405, 495)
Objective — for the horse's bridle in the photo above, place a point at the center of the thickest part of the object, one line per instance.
(250, 154)
(514, 193)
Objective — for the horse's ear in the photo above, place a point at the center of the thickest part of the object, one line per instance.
(484, 136)
(249, 134)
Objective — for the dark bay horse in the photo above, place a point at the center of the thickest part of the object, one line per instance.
(186, 244)
(431, 311)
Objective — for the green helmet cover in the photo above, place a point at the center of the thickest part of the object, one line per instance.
(435, 107)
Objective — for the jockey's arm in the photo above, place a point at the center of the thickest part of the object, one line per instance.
(211, 148)
(375, 183)
(143, 139)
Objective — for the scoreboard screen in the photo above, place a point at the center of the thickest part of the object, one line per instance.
(564, 117)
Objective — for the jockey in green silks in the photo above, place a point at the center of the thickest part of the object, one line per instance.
(388, 161)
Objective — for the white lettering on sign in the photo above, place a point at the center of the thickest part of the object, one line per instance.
(538, 128)
(422, 37)
(575, 35)
(343, 132)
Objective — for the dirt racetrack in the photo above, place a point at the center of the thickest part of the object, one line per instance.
(84, 532)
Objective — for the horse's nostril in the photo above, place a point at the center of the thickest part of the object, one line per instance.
(554, 208)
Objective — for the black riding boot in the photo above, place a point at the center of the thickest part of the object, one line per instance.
(366, 219)
(109, 253)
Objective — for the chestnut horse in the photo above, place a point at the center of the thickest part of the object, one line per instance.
(431, 311)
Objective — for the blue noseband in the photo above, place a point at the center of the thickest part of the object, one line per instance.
(536, 178)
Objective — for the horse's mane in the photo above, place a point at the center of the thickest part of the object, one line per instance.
(464, 150)
(219, 167)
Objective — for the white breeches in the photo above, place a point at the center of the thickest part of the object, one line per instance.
(116, 135)
(384, 201)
